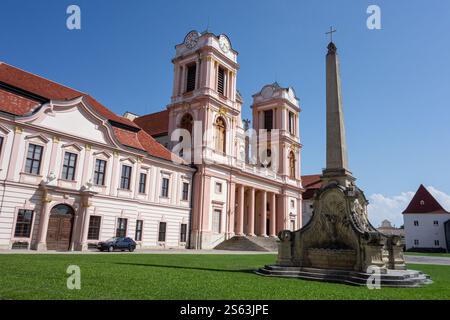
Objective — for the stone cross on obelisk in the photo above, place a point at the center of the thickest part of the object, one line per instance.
(337, 162)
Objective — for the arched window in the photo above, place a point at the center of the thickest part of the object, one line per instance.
(292, 165)
(186, 122)
(220, 131)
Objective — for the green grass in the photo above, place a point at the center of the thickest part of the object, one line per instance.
(189, 276)
(427, 254)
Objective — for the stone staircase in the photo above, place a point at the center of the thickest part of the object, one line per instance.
(393, 278)
(249, 243)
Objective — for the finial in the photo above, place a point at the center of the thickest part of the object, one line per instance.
(331, 48)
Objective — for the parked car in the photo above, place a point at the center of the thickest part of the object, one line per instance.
(117, 243)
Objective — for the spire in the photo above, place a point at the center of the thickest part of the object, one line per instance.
(337, 163)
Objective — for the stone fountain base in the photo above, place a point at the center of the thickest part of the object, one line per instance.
(392, 278)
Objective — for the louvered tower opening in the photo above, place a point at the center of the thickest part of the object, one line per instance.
(191, 73)
(221, 81)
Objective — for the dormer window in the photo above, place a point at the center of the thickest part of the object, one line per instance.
(221, 81)
(191, 75)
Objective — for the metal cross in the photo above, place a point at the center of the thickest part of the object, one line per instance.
(331, 33)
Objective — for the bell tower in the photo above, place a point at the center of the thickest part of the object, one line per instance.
(276, 109)
(204, 85)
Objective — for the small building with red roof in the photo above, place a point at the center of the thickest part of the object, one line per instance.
(425, 223)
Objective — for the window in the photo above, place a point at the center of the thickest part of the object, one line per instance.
(221, 81)
(185, 193)
(23, 223)
(292, 204)
(138, 233)
(268, 119)
(99, 172)
(220, 131)
(183, 232)
(142, 182)
(186, 122)
(292, 165)
(1, 144)
(121, 230)
(190, 80)
(125, 178)
(416, 223)
(34, 158)
(218, 187)
(162, 232)
(70, 161)
(291, 123)
(436, 242)
(416, 242)
(165, 188)
(94, 228)
(216, 220)
(435, 223)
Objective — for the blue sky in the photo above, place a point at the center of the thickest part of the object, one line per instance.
(396, 80)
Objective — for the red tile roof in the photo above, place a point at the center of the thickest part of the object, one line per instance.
(13, 103)
(424, 202)
(311, 183)
(49, 90)
(27, 89)
(155, 124)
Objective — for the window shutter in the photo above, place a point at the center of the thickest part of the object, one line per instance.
(191, 74)
(221, 81)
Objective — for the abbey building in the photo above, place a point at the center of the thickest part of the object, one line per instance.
(193, 175)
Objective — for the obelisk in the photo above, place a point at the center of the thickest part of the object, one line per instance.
(336, 158)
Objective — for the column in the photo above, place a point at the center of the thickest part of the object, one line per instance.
(231, 209)
(114, 183)
(183, 80)
(240, 215)
(43, 224)
(273, 219)
(299, 213)
(251, 212)
(263, 220)
(85, 223)
(87, 156)
(14, 153)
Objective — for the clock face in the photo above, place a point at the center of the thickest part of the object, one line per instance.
(224, 43)
(191, 39)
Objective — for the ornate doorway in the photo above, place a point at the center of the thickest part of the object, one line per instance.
(60, 224)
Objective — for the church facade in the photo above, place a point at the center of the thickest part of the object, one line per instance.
(193, 175)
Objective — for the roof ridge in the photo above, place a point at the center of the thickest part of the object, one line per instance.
(39, 76)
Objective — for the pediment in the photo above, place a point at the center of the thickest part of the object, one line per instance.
(75, 120)
(102, 153)
(75, 146)
(37, 137)
(128, 159)
(4, 129)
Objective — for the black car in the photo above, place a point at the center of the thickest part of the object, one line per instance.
(117, 243)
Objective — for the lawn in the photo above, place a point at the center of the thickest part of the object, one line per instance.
(182, 276)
